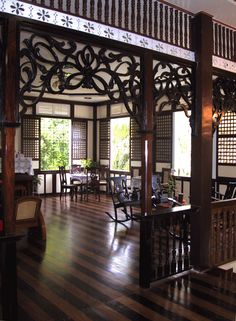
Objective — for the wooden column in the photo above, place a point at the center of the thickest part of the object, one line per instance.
(147, 133)
(10, 122)
(201, 175)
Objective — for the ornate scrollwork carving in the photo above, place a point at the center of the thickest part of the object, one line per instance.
(52, 66)
(224, 95)
(173, 86)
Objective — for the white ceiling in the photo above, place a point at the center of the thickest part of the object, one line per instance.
(221, 10)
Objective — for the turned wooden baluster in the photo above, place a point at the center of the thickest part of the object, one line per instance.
(166, 23)
(144, 17)
(150, 18)
(68, 6)
(223, 42)
(106, 11)
(120, 13)
(133, 3)
(84, 8)
(99, 4)
(113, 12)
(92, 9)
(138, 17)
(185, 44)
(219, 40)
(173, 260)
(60, 4)
(176, 41)
(155, 19)
(77, 7)
(171, 25)
(126, 14)
(161, 21)
(181, 28)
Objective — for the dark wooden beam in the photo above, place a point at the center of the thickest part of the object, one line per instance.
(201, 176)
(147, 133)
(10, 119)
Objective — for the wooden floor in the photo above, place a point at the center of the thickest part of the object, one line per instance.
(88, 270)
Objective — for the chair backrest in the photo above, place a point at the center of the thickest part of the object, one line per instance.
(118, 189)
(62, 173)
(103, 172)
(230, 191)
(27, 210)
(75, 169)
(165, 175)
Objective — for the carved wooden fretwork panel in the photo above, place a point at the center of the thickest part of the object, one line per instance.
(224, 94)
(173, 86)
(53, 66)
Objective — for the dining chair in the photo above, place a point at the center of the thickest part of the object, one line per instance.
(72, 188)
(92, 185)
(103, 174)
(28, 215)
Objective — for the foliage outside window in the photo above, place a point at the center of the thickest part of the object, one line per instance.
(120, 144)
(55, 140)
(182, 144)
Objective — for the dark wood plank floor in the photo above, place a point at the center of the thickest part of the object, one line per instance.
(88, 270)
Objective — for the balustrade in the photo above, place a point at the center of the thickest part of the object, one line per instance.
(223, 232)
(165, 243)
(149, 18)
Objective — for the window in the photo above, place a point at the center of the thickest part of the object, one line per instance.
(181, 144)
(120, 144)
(227, 140)
(54, 143)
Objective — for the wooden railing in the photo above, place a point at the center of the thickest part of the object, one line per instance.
(224, 41)
(146, 17)
(165, 243)
(223, 232)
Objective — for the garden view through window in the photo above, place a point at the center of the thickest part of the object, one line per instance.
(55, 143)
(182, 144)
(120, 144)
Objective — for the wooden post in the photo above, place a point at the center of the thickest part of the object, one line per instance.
(9, 123)
(201, 175)
(147, 134)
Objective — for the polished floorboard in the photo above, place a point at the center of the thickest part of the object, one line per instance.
(88, 271)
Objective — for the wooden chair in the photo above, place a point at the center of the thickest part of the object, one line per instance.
(28, 215)
(122, 199)
(103, 173)
(230, 192)
(73, 188)
(92, 185)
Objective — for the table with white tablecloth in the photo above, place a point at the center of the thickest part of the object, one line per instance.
(23, 165)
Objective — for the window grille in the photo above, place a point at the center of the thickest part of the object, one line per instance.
(135, 141)
(31, 137)
(104, 139)
(79, 140)
(164, 138)
(227, 140)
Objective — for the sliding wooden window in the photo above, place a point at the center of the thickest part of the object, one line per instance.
(164, 125)
(227, 140)
(104, 147)
(79, 140)
(31, 137)
(135, 141)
